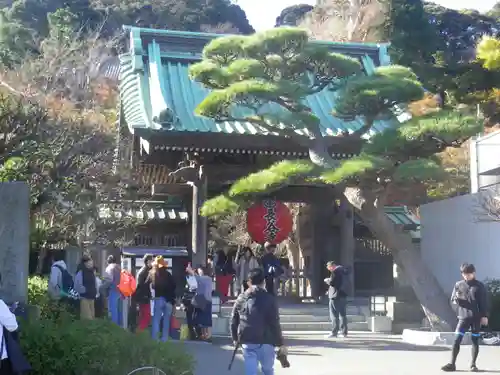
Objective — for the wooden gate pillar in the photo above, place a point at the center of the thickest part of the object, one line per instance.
(325, 240)
(199, 225)
(347, 241)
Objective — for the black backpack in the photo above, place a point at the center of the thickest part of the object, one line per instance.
(68, 285)
(252, 318)
(346, 281)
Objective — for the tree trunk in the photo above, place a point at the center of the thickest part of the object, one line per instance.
(293, 253)
(431, 296)
(42, 254)
(292, 243)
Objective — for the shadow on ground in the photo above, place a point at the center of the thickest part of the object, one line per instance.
(213, 359)
(315, 353)
(298, 345)
(360, 343)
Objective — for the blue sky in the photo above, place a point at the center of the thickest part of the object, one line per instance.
(263, 13)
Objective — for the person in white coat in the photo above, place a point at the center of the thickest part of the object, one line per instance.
(9, 322)
(244, 265)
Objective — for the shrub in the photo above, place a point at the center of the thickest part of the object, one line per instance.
(38, 296)
(97, 347)
(493, 286)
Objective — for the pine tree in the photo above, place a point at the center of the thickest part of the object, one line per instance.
(281, 67)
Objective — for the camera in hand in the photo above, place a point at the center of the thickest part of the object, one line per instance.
(283, 359)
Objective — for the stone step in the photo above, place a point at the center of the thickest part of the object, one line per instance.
(221, 326)
(320, 326)
(296, 318)
(321, 311)
(300, 318)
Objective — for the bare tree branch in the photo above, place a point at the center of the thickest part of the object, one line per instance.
(68, 141)
(487, 206)
(347, 20)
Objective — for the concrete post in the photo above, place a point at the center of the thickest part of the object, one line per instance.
(14, 241)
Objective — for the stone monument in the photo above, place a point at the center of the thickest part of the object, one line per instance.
(14, 241)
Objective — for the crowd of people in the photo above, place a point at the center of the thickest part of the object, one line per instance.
(155, 294)
(226, 269)
(87, 291)
(255, 318)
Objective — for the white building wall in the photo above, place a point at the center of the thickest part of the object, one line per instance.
(485, 162)
(450, 237)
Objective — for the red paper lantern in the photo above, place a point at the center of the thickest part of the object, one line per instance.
(269, 221)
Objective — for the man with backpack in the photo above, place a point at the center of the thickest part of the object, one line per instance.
(61, 285)
(337, 295)
(255, 325)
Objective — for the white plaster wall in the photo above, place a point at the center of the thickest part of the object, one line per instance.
(488, 152)
(450, 237)
(485, 158)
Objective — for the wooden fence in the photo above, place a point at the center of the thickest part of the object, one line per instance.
(294, 286)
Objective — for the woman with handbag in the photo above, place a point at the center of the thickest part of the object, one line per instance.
(163, 286)
(244, 264)
(187, 302)
(202, 301)
(9, 324)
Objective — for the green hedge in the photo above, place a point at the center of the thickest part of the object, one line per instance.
(493, 286)
(38, 296)
(97, 347)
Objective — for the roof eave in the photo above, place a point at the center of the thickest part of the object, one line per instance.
(158, 35)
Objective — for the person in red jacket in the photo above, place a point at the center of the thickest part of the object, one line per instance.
(224, 272)
(142, 294)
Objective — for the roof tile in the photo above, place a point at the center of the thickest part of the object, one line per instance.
(163, 87)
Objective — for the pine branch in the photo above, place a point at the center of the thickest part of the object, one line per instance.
(368, 123)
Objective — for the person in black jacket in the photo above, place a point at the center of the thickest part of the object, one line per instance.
(142, 294)
(255, 325)
(271, 265)
(470, 299)
(337, 299)
(86, 286)
(163, 285)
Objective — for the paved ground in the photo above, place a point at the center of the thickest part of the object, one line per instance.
(360, 354)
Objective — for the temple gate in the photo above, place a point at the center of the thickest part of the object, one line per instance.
(183, 158)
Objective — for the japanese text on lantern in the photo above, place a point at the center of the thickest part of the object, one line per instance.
(271, 229)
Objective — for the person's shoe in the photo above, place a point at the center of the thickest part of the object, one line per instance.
(331, 336)
(450, 367)
(343, 335)
(473, 368)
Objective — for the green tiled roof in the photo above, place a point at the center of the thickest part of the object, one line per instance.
(400, 215)
(157, 94)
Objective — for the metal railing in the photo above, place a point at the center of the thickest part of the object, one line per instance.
(147, 370)
(378, 305)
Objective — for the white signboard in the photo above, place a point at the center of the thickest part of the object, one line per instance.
(169, 262)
